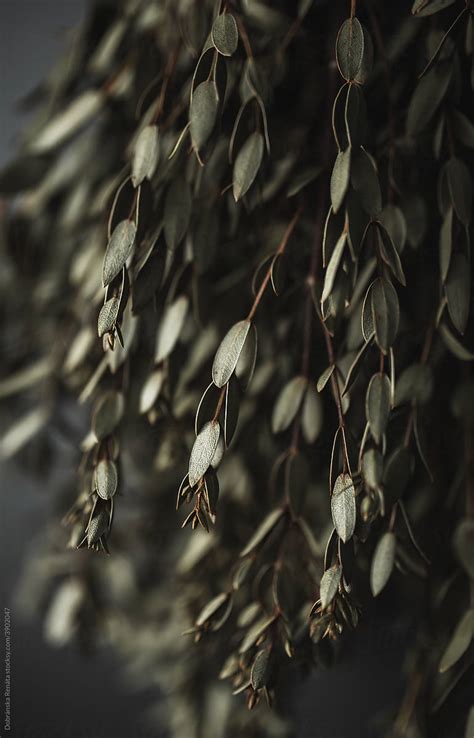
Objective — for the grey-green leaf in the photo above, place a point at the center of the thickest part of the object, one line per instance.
(118, 250)
(333, 266)
(106, 479)
(311, 415)
(228, 353)
(260, 670)
(350, 48)
(458, 291)
(203, 451)
(382, 563)
(340, 178)
(224, 34)
(343, 507)
(459, 643)
(170, 327)
(108, 316)
(145, 155)
(107, 414)
(385, 313)
(455, 346)
(329, 585)
(377, 405)
(460, 188)
(247, 165)
(203, 113)
(288, 403)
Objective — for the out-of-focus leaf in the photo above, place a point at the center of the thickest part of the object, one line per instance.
(382, 563)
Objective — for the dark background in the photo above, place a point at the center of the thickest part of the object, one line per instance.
(58, 692)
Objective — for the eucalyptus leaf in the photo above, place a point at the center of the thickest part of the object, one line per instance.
(329, 585)
(377, 405)
(224, 34)
(459, 643)
(118, 250)
(383, 562)
(464, 545)
(311, 415)
(107, 414)
(170, 327)
(106, 479)
(458, 291)
(228, 353)
(333, 266)
(203, 451)
(340, 178)
(145, 155)
(203, 113)
(385, 313)
(460, 188)
(350, 48)
(288, 403)
(343, 507)
(247, 165)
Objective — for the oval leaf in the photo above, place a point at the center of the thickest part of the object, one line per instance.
(203, 113)
(203, 451)
(224, 34)
(350, 48)
(170, 327)
(288, 403)
(377, 405)
(329, 585)
(382, 563)
(343, 507)
(106, 479)
(228, 353)
(247, 165)
(145, 155)
(118, 250)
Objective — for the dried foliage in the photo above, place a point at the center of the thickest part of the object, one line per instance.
(239, 235)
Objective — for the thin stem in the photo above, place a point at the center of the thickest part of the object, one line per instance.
(281, 248)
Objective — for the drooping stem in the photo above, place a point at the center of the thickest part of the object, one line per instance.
(281, 248)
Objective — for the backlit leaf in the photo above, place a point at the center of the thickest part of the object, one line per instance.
(343, 506)
(203, 451)
(382, 564)
(458, 291)
(228, 353)
(350, 48)
(118, 250)
(224, 34)
(459, 643)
